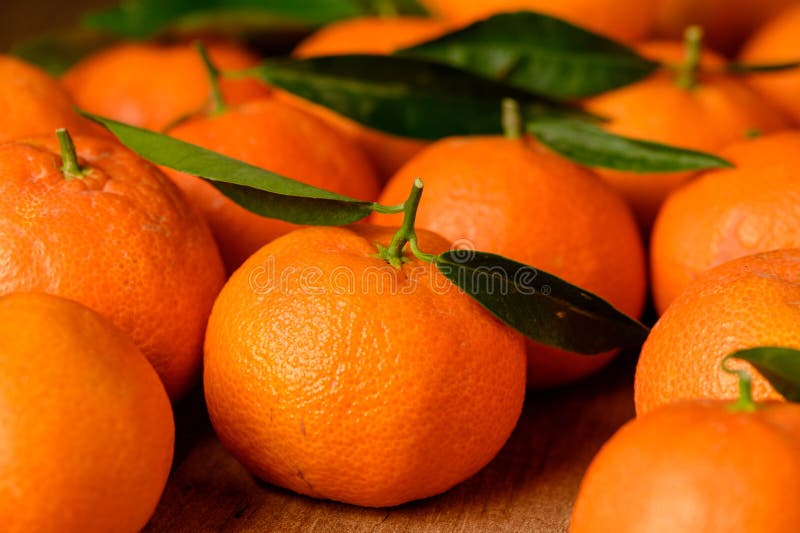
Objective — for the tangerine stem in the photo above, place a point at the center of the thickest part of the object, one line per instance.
(386, 8)
(69, 159)
(687, 72)
(217, 101)
(745, 402)
(406, 234)
(511, 119)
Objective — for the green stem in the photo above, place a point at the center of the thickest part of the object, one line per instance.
(393, 253)
(511, 119)
(217, 101)
(745, 402)
(386, 8)
(69, 159)
(687, 72)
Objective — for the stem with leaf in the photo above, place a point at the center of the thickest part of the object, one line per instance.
(69, 159)
(393, 253)
(745, 402)
(687, 72)
(217, 101)
(511, 119)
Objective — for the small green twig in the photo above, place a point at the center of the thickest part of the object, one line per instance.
(745, 402)
(511, 119)
(386, 8)
(217, 101)
(393, 253)
(687, 72)
(69, 159)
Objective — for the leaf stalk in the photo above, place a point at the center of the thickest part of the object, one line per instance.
(393, 253)
(745, 402)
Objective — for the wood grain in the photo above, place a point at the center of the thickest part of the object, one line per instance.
(530, 485)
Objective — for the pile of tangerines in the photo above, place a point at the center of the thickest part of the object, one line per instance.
(122, 280)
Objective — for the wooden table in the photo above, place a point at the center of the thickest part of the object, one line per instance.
(530, 485)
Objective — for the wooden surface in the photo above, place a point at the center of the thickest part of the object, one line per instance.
(530, 485)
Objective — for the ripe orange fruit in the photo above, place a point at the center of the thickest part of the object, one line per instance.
(278, 137)
(152, 86)
(370, 35)
(333, 374)
(728, 213)
(726, 23)
(748, 302)
(374, 36)
(518, 200)
(120, 239)
(33, 103)
(696, 466)
(87, 427)
(776, 42)
(718, 111)
(626, 20)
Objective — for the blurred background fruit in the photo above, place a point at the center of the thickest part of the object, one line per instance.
(626, 20)
(515, 198)
(777, 42)
(711, 111)
(695, 466)
(728, 213)
(88, 443)
(747, 302)
(726, 23)
(32, 103)
(361, 383)
(276, 136)
(120, 239)
(153, 86)
(374, 36)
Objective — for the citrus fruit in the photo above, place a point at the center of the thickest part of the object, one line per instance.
(728, 213)
(776, 42)
(714, 112)
(152, 85)
(627, 20)
(371, 36)
(278, 137)
(745, 303)
(726, 23)
(696, 466)
(117, 236)
(517, 199)
(334, 374)
(87, 427)
(33, 103)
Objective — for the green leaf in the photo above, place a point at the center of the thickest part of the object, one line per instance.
(138, 19)
(745, 68)
(779, 366)
(56, 52)
(539, 53)
(404, 96)
(256, 189)
(543, 307)
(590, 145)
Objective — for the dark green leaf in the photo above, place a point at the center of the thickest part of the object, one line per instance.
(590, 145)
(780, 366)
(139, 19)
(744, 68)
(543, 307)
(539, 53)
(56, 52)
(404, 96)
(256, 189)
